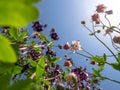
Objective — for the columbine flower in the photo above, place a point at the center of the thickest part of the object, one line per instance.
(116, 39)
(76, 46)
(66, 46)
(96, 17)
(36, 35)
(50, 52)
(68, 63)
(108, 31)
(109, 12)
(37, 26)
(54, 35)
(35, 55)
(71, 77)
(101, 8)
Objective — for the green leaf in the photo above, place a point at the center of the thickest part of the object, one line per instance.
(33, 63)
(7, 53)
(46, 82)
(99, 59)
(16, 70)
(23, 34)
(118, 57)
(105, 57)
(16, 49)
(14, 33)
(43, 37)
(4, 81)
(54, 60)
(112, 27)
(40, 67)
(21, 85)
(91, 34)
(17, 12)
(5, 67)
(116, 66)
(96, 72)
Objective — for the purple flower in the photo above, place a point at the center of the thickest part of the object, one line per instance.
(37, 26)
(50, 52)
(35, 55)
(54, 35)
(81, 74)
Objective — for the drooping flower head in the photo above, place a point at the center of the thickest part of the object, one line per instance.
(109, 12)
(71, 77)
(35, 55)
(116, 39)
(76, 45)
(66, 46)
(108, 31)
(101, 8)
(37, 26)
(50, 52)
(68, 62)
(95, 17)
(54, 35)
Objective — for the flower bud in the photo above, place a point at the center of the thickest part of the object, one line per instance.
(116, 39)
(66, 46)
(83, 22)
(68, 63)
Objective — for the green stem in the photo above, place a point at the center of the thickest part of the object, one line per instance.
(112, 80)
(106, 47)
(82, 55)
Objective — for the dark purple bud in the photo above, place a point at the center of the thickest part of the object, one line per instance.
(37, 26)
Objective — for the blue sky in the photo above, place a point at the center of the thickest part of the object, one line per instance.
(66, 16)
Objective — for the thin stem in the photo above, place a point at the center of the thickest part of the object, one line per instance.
(104, 44)
(82, 55)
(88, 29)
(101, 42)
(112, 80)
(106, 47)
(108, 20)
(53, 77)
(87, 52)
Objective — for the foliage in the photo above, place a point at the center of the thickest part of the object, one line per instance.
(29, 61)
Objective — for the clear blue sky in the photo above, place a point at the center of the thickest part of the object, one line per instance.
(65, 16)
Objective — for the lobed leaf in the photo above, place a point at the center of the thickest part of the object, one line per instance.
(17, 12)
(7, 54)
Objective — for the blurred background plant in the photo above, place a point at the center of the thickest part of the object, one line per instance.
(28, 60)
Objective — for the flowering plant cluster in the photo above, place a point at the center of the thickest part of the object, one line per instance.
(37, 66)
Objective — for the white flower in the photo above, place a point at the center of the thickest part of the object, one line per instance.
(71, 77)
(76, 46)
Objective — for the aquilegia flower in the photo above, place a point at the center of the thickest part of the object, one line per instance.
(68, 62)
(35, 55)
(66, 46)
(71, 77)
(101, 8)
(37, 26)
(54, 35)
(50, 52)
(116, 39)
(109, 12)
(95, 17)
(76, 46)
(108, 31)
